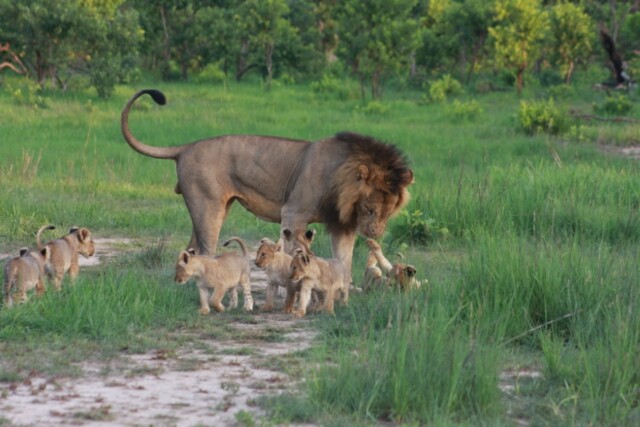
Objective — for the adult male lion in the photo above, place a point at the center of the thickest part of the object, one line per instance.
(351, 183)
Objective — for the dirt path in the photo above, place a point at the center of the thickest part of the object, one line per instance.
(209, 382)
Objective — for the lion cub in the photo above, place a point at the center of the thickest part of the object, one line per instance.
(65, 252)
(312, 272)
(399, 274)
(272, 258)
(23, 273)
(220, 273)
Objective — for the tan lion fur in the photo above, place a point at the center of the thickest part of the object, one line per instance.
(350, 182)
(323, 274)
(65, 253)
(380, 271)
(24, 273)
(221, 273)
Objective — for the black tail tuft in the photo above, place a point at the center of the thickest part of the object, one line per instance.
(157, 96)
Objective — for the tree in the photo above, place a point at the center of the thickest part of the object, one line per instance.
(264, 25)
(572, 36)
(520, 27)
(377, 38)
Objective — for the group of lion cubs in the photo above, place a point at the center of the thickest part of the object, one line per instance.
(299, 272)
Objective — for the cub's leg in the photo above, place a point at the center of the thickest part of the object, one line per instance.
(74, 269)
(272, 290)
(204, 300)
(40, 287)
(56, 276)
(216, 298)
(248, 299)
(234, 297)
(328, 300)
(289, 299)
(305, 296)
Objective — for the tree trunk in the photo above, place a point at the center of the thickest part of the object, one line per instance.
(567, 77)
(520, 80)
(166, 44)
(269, 62)
(241, 59)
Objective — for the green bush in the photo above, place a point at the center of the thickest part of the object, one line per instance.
(465, 110)
(616, 105)
(27, 93)
(211, 73)
(542, 117)
(417, 228)
(443, 88)
(372, 108)
(329, 84)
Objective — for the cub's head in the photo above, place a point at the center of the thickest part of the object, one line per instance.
(404, 276)
(299, 266)
(267, 252)
(186, 266)
(86, 246)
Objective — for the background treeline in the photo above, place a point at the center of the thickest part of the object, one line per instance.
(105, 42)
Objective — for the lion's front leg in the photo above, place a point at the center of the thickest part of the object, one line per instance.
(342, 245)
(207, 215)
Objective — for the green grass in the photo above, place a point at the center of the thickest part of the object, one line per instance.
(531, 249)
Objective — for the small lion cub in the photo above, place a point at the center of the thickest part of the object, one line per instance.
(398, 275)
(276, 262)
(65, 252)
(220, 273)
(312, 272)
(23, 273)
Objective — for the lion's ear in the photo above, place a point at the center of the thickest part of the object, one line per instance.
(407, 178)
(363, 173)
(287, 234)
(310, 235)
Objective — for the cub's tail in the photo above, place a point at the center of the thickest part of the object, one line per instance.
(44, 227)
(239, 242)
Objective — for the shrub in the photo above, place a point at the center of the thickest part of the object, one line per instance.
(542, 117)
(329, 84)
(27, 93)
(372, 108)
(211, 73)
(465, 110)
(441, 89)
(417, 228)
(616, 105)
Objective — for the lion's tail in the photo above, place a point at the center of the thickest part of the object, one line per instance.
(44, 227)
(240, 243)
(147, 150)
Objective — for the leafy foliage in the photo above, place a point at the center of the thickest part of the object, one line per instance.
(542, 117)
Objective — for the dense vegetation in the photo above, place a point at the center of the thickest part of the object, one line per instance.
(411, 42)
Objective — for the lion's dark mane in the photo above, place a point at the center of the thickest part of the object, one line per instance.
(368, 151)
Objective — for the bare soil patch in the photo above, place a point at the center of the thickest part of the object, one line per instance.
(206, 382)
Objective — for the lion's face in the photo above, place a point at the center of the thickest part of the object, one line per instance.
(184, 268)
(374, 211)
(299, 264)
(266, 254)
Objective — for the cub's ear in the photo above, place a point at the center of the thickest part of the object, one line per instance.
(363, 173)
(191, 251)
(184, 257)
(46, 252)
(73, 229)
(279, 245)
(84, 234)
(411, 271)
(305, 259)
(24, 251)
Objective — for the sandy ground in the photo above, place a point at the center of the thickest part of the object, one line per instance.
(206, 385)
